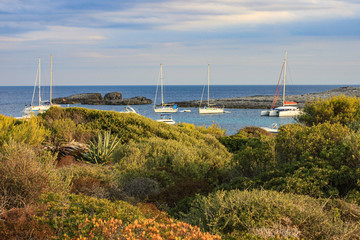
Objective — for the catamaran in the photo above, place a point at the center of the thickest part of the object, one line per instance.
(42, 105)
(209, 108)
(163, 108)
(289, 109)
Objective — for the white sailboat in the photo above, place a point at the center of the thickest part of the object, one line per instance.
(163, 108)
(209, 108)
(42, 105)
(289, 109)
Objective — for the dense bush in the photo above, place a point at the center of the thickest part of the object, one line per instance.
(66, 130)
(164, 155)
(214, 129)
(269, 214)
(318, 161)
(166, 229)
(93, 180)
(67, 213)
(25, 175)
(28, 131)
(183, 160)
(254, 151)
(125, 126)
(19, 223)
(338, 109)
(142, 229)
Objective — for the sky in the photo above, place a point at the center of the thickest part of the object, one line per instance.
(123, 42)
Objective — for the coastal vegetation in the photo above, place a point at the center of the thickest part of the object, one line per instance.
(75, 173)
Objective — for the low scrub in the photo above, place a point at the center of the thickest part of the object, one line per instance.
(320, 161)
(93, 180)
(253, 149)
(69, 214)
(182, 160)
(25, 175)
(270, 214)
(28, 131)
(338, 109)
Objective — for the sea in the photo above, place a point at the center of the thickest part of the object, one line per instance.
(13, 100)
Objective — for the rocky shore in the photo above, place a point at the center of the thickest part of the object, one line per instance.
(250, 102)
(113, 98)
(264, 102)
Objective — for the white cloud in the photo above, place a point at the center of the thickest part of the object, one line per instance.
(59, 35)
(64, 34)
(200, 14)
(92, 55)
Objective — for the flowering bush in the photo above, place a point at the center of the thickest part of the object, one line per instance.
(142, 230)
(69, 214)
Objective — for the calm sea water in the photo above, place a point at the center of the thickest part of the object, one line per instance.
(13, 100)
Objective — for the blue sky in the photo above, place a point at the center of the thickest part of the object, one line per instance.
(112, 42)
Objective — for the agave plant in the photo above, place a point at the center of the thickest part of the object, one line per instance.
(101, 148)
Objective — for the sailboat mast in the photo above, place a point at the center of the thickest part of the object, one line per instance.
(208, 84)
(284, 77)
(39, 69)
(161, 82)
(51, 78)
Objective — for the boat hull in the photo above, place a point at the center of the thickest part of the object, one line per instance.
(289, 113)
(273, 113)
(265, 113)
(271, 130)
(211, 110)
(165, 110)
(167, 121)
(285, 112)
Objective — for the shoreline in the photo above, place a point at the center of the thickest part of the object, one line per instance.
(265, 101)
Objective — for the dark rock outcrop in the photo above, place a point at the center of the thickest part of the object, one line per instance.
(113, 96)
(82, 98)
(129, 101)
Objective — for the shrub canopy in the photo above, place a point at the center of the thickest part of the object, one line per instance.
(338, 109)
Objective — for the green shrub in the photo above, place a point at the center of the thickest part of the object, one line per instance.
(269, 214)
(338, 109)
(165, 154)
(141, 187)
(66, 213)
(319, 161)
(214, 130)
(28, 131)
(93, 180)
(248, 136)
(183, 161)
(254, 152)
(25, 175)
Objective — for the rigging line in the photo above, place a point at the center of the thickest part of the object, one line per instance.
(290, 75)
(278, 89)
(36, 79)
(163, 89)
(157, 87)
(202, 95)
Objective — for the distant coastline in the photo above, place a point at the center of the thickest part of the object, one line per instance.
(247, 102)
(265, 101)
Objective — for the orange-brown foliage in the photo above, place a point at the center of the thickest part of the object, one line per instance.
(18, 223)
